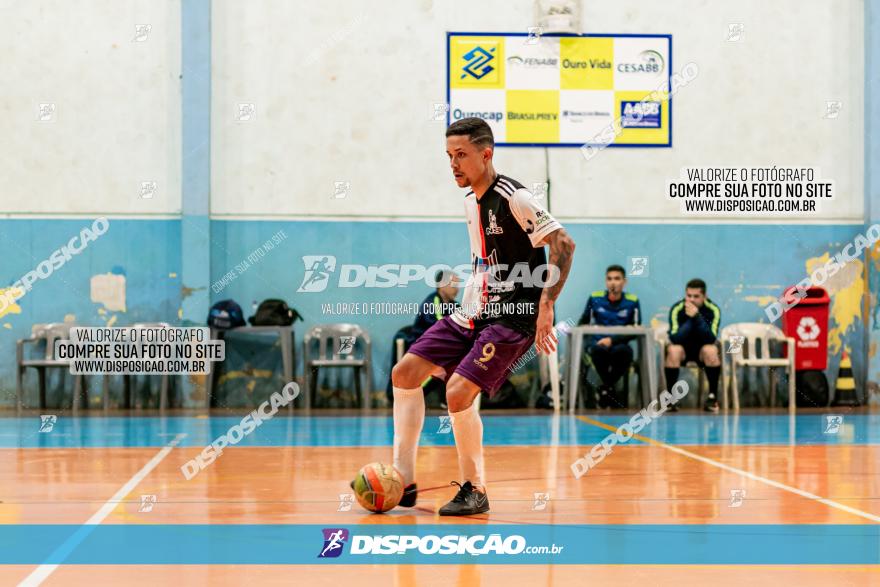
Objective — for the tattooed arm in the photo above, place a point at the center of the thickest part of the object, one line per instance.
(561, 253)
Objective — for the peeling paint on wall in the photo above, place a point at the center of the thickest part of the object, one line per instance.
(13, 293)
(846, 289)
(762, 300)
(185, 292)
(108, 289)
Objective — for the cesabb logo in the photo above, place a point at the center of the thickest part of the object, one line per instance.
(650, 61)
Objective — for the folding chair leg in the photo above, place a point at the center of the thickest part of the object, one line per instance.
(163, 394)
(772, 376)
(77, 390)
(734, 387)
(367, 388)
(19, 385)
(105, 392)
(313, 381)
(725, 387)
(41, 372)
(358, 396)
(19, 375)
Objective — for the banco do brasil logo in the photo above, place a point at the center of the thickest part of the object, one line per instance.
(477, 62)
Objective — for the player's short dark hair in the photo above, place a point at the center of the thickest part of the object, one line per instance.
(476, 129)
(696, 283)
(615, 268)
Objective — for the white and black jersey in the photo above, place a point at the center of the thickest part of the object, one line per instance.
(509, 267)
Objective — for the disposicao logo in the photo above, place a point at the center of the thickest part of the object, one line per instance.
(334, 540)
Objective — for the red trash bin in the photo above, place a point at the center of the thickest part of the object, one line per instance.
(807, 323)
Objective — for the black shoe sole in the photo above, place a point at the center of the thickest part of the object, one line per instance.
(462, 513)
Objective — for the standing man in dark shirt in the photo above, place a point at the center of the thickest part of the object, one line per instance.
(611, 355)
(693, 330)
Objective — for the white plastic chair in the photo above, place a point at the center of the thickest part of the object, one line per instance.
(755, 352)
(47, 334)
(328, 355)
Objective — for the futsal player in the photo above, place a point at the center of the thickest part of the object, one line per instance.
(499, 319)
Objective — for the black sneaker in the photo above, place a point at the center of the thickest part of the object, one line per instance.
(467, 502)
(603, 397)
(711, 404)
(408, 499)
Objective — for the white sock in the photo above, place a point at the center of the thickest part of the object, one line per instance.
(468, 430)
(409, 416)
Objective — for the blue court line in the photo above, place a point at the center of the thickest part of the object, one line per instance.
(537, 430)
(581, 544)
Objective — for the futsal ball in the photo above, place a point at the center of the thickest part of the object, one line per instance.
(378, 487)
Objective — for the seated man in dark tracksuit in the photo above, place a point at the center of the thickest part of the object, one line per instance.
(611, 355)
(693, 330)
(441, 302)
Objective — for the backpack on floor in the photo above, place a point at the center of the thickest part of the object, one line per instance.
(812, 389)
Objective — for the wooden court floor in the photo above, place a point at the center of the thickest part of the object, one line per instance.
(95, 472)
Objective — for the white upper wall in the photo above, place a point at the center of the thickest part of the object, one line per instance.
(117, 107)
(344, 92)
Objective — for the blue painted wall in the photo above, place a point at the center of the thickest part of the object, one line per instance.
(148, 252)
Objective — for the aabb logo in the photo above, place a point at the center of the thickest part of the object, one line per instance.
(808, 329)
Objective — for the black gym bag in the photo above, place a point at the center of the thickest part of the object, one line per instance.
(274, 313)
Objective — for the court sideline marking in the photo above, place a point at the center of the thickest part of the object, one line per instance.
(42, 572)
(737, 471)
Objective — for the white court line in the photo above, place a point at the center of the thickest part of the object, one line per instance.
(747, 474)
(42, 572)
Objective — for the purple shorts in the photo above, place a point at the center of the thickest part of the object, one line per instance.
(483, 357)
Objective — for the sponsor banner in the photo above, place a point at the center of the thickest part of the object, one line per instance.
(439, 544)
(562, 90)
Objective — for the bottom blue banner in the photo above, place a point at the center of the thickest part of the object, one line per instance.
(440, 544)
